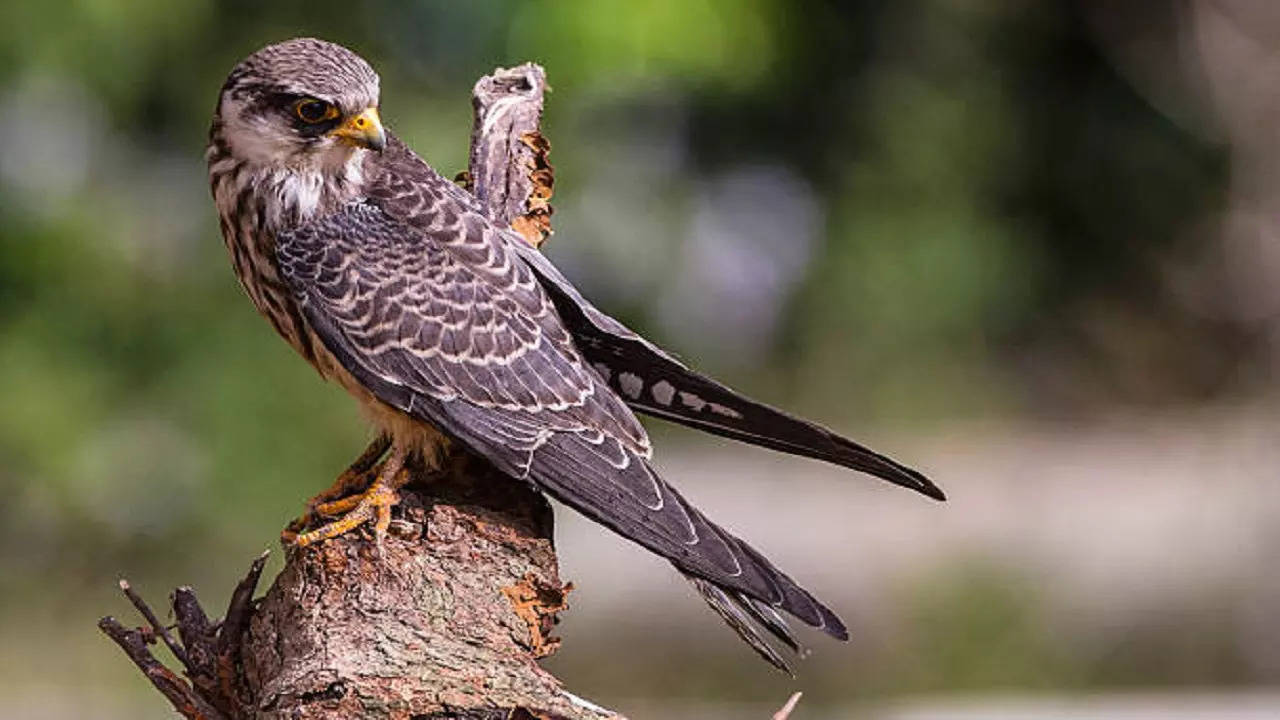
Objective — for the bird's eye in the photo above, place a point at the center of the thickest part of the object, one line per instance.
(310, 110)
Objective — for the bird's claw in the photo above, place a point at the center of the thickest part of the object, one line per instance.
(333, 502)
(349, 486)
(373, 504)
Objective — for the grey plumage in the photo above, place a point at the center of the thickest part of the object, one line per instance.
(389, 278)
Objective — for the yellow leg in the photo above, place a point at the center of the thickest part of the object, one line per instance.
(341, 505)
(350, 478)
(353, 481)
(375, 504)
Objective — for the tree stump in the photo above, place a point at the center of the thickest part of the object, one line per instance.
(447, 621)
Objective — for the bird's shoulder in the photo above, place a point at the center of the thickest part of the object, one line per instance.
(406, 188)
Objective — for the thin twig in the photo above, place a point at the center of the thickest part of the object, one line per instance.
(193, 625)
(150, 617)
(231, 634)
(199, 637)
(241, 606)
(176, 691)
(209, 657)
(785, 712)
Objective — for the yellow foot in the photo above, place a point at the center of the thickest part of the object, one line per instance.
(353, 481)
(373, 504)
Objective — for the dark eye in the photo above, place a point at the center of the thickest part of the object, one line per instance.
(310, 110)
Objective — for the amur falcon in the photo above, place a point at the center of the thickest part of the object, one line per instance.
(453, 332)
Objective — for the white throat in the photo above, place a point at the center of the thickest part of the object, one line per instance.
(289, 195)
(297, 194)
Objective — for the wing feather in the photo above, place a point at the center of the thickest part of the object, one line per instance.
(655, 383)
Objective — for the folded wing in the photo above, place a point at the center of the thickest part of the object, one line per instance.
(429, 309)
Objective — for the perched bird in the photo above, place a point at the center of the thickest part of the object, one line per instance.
(453, 332)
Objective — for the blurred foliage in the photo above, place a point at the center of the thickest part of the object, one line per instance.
(993, 205)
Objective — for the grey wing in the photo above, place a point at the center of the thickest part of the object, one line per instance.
(442, 321)
(655, 383)
(404, 313)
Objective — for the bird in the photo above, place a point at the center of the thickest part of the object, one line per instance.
(457, 335)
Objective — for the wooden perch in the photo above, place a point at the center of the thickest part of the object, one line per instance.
(448, 619)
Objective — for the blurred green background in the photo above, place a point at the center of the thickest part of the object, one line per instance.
(1026, 246)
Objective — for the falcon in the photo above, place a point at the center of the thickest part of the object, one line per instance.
(455, 334)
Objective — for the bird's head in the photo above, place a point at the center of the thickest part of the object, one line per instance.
(301, 103)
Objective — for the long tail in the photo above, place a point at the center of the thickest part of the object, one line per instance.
(739, 583)
(747, 616)
(657, 385)
(654, 382)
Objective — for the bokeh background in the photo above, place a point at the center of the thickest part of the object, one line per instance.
(1029, 247)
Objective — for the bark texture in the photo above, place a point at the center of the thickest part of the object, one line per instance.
(448, 617)
(509, 172)
(445, 620)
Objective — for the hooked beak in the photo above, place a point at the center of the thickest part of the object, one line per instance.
(363, 130)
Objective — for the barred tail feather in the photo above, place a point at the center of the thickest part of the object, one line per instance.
(747, 617)
(739, 583)
(663, 388)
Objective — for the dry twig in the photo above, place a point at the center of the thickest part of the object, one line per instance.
(790, 705)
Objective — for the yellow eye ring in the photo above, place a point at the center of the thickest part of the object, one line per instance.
(312, 111)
